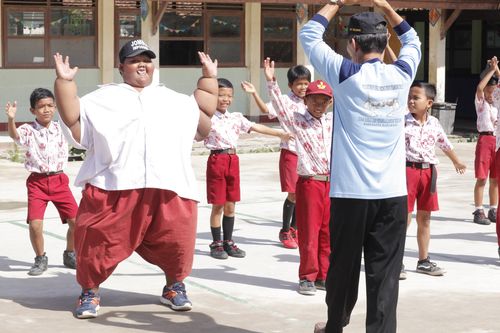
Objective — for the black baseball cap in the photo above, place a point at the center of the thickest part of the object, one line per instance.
(366, 23)
(133, 48)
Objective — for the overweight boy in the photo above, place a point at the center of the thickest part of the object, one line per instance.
(313, 135)
(46, 158)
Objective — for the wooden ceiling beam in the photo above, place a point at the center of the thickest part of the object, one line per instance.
(449, 22)
(158, 17)
(419, 4)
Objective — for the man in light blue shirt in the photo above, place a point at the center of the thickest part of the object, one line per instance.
(368, 188)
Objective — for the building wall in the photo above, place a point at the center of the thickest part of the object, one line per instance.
(17, 85)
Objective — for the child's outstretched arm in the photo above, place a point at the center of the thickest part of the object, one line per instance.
(249, 88)
(206, 94)
(484, 81)
(271, 131)
(459, 166)
(10, 110)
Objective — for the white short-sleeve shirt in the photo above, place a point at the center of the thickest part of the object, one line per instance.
(138, 139)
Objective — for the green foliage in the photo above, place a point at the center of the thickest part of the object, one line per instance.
(16, 155)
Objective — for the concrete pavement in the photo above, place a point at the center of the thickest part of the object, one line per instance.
(257, 293)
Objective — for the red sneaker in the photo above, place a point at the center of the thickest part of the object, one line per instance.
(295, 235)
(287, 240)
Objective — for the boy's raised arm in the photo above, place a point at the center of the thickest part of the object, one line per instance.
(10, 110)
(65, 90)
(249, 88)
(484, 81)
(206, 94)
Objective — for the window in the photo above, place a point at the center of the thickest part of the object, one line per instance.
(189, 27)
(37, 29)
(459, 48)
(127, 23)
(279, 34)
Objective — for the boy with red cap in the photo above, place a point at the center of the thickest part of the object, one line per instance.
(312, 131)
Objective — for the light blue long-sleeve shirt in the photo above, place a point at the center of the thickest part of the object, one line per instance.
(368, 150)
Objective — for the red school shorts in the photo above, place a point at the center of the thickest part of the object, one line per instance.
(223, 178)
(288, 170)
(484, 163)
(418, 183)
(55, 188)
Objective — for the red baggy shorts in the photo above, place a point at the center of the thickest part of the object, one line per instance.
(159, 225)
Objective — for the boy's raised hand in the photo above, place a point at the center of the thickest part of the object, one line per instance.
(494, 62)
(248, 87)
(269, 69)
(63, 68)
(10, 110)
(209, 67)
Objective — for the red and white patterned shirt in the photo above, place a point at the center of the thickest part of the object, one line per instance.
(313, 139)
(487, 115)
(226, 129)
(496, 97)
(283, 107)
(47, 147)
(421, 139)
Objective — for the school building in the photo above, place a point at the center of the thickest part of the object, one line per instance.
(458, 36)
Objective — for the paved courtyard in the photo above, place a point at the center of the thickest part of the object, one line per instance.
(258, 293)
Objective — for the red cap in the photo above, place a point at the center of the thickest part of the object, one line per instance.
(319, 87)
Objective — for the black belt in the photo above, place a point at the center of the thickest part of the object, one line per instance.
(418, 165)
(321, 178)
(50, 173)
(229, 151)
(486, 133)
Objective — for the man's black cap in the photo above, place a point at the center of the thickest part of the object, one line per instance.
(133, 48)
(366, 23)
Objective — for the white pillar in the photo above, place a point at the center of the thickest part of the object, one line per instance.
(152, 38)
(252, 49)
(106, 36)
(437, 58)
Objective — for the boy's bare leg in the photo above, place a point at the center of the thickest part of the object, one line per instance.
(229, 208)
(216, 216)
(36, 236)
(425, 265)
(478, 192)
(423, 233)
(493, 193)
(479, 213)
(70, 235)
